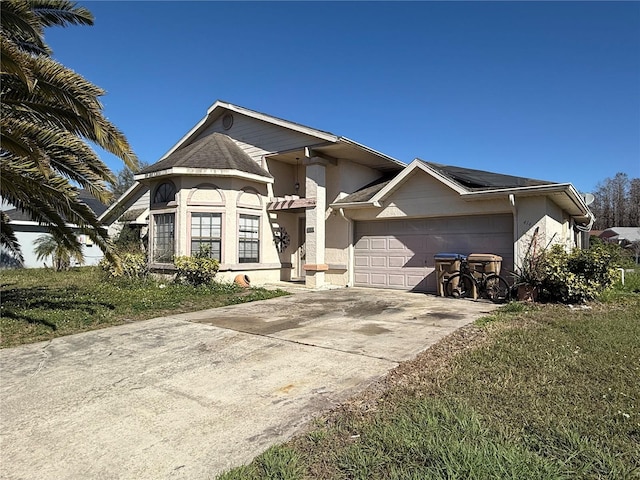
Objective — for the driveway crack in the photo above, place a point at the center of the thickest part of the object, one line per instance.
(44, 359)
(297, 342)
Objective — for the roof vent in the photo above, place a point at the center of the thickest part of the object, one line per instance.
(227, 121)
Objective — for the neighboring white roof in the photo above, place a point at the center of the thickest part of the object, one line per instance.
(630, 234)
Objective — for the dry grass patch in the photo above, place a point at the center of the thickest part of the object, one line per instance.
(530, 392)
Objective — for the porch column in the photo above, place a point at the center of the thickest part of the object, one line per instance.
(315, 222)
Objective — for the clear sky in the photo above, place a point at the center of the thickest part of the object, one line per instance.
(548, 90)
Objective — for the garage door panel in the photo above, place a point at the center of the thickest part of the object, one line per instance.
(404, 251)
(414, 279)
(378, 279)
(361, 278)
(363, 243)
(396, 280)
(378, 261)
(396, 262)
(397, 244)
(378, 243)
(361, 261)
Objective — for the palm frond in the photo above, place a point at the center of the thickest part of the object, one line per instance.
(60, 13)
(8, 238)
(18, 23)
(49, 113)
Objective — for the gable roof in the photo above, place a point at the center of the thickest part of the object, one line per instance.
(126, 200)
(368, 191)
(466, 179)
(215, 151)
(220, 107)
(473, 184)
(474, 180)
(321, 141)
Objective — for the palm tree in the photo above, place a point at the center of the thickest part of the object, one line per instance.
(49, 114)
(49, 246)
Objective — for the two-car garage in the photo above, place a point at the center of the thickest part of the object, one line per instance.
(400, 253)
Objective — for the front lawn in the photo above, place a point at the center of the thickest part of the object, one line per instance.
(535, 392)
(40, 304)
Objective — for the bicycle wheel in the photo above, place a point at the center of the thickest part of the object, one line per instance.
(497, 289)
(459, 286)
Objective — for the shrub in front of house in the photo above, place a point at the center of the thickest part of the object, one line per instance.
(579, 275)
(132, 265)
(198, 270)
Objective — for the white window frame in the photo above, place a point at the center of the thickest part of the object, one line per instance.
(247, 234)
(206, 239)
(154, 239)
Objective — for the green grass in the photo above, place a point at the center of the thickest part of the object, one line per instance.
(541, 391)
(40, 304)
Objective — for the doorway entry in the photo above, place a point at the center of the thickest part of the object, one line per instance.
(301, 251)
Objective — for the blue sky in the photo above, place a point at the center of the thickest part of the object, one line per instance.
(547, 90)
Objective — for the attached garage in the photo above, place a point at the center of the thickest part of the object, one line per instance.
(400, 253)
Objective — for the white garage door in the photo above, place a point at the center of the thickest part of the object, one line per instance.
(400, 253)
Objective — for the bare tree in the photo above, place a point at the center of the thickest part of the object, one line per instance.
(634, 202)
(617, 202)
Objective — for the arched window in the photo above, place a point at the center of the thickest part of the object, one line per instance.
(166, 192)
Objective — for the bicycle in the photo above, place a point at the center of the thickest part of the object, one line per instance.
(468, 283)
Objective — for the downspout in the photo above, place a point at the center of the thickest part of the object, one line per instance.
(349, 248)
(516, 248)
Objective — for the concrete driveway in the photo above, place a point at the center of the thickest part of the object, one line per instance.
(191, 395)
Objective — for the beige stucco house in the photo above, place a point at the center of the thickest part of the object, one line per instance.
(277, 200)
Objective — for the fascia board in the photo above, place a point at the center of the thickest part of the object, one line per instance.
(369, 204)
(567, 188)
(31, 223)
(409, 170)
(218, 105)
(206, 172)
(186, 137)
(371, 150)
(498, 192)
(329, 137)
(123, 198)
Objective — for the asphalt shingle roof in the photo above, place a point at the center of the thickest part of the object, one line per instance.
(482, 180)
(215, 151)
(367, 192)
(470, 179)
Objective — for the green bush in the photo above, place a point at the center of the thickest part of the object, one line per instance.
(129, 239)
(133, 265)
(198, 270)
(580, 275)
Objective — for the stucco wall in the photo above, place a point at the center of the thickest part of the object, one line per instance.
(423, 196)
(551, 222)
(230, 197)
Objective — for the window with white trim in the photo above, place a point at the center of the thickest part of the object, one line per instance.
(163, 237)
(206, 234)
(249, 239)
(166, 192)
